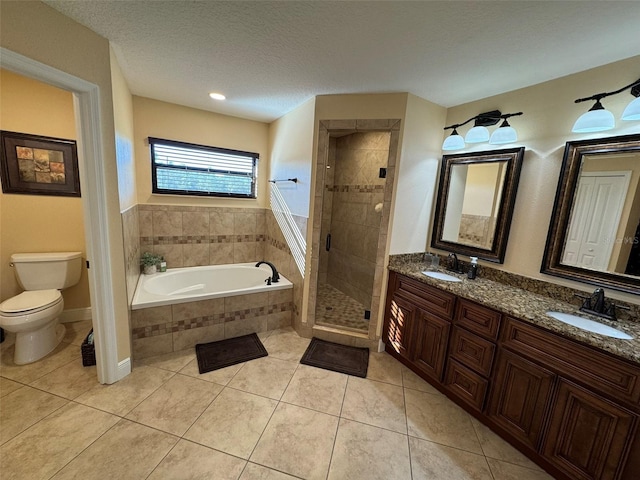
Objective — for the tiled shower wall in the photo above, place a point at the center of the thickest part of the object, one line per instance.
(193, 236)
(355, 225)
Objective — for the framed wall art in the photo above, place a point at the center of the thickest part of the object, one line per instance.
(37, 165)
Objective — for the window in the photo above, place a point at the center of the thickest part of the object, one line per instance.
(179, 168)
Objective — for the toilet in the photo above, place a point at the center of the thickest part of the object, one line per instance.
(33, 314)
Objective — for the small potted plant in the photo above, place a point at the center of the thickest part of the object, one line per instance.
(149, 262)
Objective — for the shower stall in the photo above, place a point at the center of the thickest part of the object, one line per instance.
(351, 220)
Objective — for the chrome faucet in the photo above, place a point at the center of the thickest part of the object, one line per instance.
(275, 276)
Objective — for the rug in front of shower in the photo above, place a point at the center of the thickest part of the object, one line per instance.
(338, 358)
(224, 353)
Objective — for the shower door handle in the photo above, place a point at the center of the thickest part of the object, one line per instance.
(328, 242)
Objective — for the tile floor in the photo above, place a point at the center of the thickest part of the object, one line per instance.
(268, 419)
(337, 309)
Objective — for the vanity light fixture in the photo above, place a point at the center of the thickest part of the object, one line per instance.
(217, 96)
(505, 133)
(599, 119)
(479, 133)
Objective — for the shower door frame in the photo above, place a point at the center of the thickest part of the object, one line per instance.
(344, 127)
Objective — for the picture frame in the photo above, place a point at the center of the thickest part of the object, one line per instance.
(38, 165)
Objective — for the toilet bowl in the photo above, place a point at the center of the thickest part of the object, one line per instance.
(33, 314)
(33, 317)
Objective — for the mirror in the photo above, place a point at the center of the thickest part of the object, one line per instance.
(595, 226)
(475, 203)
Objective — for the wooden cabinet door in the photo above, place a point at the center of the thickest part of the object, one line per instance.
(399, 325)
(520, 397)
(587, 434)
(432, 336)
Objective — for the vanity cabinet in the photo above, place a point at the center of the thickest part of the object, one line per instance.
(572, 408)
(471, 352)
(521, 397)
(581, 393)
(417, 324)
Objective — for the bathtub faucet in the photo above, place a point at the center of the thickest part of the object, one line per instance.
(275, 277)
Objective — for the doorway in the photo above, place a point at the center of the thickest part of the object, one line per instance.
(354, 173)
(94, 203)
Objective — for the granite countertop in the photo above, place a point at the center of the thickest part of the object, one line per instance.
(530, 307)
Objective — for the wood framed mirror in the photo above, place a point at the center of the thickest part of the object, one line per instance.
(594, 234)
(477, 192)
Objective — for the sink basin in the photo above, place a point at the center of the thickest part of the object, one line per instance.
(589, 325)
(442, 276)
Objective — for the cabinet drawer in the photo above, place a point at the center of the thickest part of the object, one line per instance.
(427, 297)
(599, 371)
(472, 351)
(466, 384)
(478, 319)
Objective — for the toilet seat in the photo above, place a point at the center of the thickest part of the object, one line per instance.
(30, 302)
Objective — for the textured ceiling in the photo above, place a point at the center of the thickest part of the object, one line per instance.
(269, 57)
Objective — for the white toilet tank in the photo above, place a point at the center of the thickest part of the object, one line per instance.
(42, 271)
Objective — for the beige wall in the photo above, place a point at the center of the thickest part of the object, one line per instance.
(41, 33)
(417, 175)
(123, 123)
(153, 118)
(39, 223)
(549, 114)
(291, 143)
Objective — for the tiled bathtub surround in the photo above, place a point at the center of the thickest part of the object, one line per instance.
(192, 236)
(131, 239)
(169, 328)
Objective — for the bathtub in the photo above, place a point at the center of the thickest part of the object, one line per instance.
(191, 284)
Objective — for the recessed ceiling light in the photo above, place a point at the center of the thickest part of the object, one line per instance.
(217, 96)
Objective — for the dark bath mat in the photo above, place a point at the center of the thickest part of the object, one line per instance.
(214, 355)
(336, 357)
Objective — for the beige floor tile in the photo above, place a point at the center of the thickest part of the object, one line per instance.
(384, 368)
(63, 354)
(123, 396)
(49, 445)
(7, 386)
(414, 382)
(375, 403)
(509, 471)
(286, 345)
(297, 441)
(257, 472)
(128, 450)
(233, 423)
(363, 451)
(69, 381)
(76, 332)
(431, 460)
(438, 419)
(221, 376)
(174, 361)
(495, 447)
(189, 460)
(317, 389)
(264, 376)
(174, 406)
(24, 407)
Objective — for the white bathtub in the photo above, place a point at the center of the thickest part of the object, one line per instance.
(191, 284)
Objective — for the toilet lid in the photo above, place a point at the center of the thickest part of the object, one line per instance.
(30, 300)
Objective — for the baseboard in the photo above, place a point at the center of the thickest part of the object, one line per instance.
(75, 315)
(124, 368)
